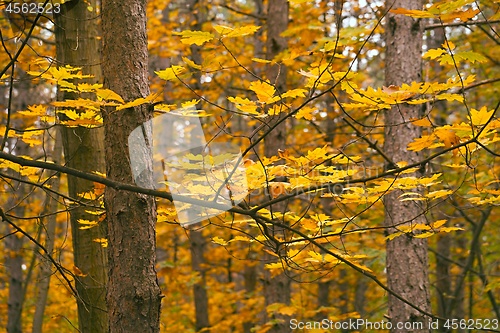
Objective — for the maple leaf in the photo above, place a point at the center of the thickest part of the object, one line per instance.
(107, 94)
(220, 241)
(425, 122)
(226, 31)
(480, 117)
(294, 93)
(434, 53)
(171, 73)
(191, 63)
(265, 91)
(448, 137)
(194, 37)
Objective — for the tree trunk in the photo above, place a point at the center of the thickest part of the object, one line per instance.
(134, 296)
(78, 45)
(277, 288)
(14, 244)
(197, 243)
(407, 262)
(50, 234)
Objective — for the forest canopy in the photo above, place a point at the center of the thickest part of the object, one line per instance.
(249, 166)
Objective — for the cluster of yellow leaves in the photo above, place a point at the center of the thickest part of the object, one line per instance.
(451, 135)
(447, 57)
(190, 37)
(446, 11)
(414, 93)
(313, 259)
(81, 111)
(422, 230)
(32, 173)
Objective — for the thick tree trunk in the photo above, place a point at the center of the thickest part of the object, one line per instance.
(407, 263)
(133, 292)
(78, 45)
(277, 288)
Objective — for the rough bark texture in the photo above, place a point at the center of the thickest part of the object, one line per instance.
(133, 292)
(277, 288)
(78, 45)
(407, 263)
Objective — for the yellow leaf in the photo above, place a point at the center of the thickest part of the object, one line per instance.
(194, 37)
(394, 235)
(438, 194)
(86, 224)
(107, 94)
(421, 143)
(226, 31)
(137, 102)
(191, 63)
(263, 61)
(448, 45)
(294, 93)
(102, 241)
(448, 137)
(87, 87)
(434, 53)
(480, 117)
(264, 90)
(170, 73)
(189, 104)
(412, 12)
(287, 310)
(438, 224)
(421, 122)
(305, 112)
(274, 265)
(220, 241)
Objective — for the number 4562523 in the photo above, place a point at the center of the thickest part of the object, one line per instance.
(33, 8)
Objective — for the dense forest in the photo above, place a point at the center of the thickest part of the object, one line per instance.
(249, 166)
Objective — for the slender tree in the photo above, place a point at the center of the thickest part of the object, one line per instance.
(133, 292)
(407, 262)
(277, 288)
(78, 45)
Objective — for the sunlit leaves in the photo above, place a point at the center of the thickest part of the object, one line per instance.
(194, 37)
(264, 91)
(480, 117)
(446, 57)
(229, 32)
(422, 230)
(444, 10)
(171, 73)
(245, 105)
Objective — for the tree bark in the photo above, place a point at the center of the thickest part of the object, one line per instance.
(78, 45)
(133, 293)
(407, 262)
(277, 288)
